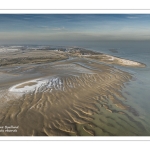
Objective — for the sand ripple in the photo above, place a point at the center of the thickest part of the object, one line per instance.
(81, 101)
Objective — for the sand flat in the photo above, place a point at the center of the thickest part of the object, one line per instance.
(115, 60)
(69, 97)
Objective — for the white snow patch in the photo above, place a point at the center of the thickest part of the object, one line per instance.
(39, 85)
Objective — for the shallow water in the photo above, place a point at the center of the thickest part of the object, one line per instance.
(138, 91)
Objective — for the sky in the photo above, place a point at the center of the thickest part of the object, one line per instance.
(45, 28)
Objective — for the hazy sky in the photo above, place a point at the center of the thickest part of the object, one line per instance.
(38, 28)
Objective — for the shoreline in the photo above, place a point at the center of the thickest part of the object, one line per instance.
(47, 56)
(121, 61)
(66, 97)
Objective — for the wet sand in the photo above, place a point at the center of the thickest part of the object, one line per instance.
(115, 60)
(76, 96)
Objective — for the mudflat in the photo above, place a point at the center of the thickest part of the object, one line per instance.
(65, 93)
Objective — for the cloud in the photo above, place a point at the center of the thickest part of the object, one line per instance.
(132, 17)
(42, 26)
(59, 29)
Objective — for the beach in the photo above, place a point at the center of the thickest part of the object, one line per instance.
(66, 92)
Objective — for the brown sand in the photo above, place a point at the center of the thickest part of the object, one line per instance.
(115, 60)
(32, 56)
(81, 97)
(45, 56)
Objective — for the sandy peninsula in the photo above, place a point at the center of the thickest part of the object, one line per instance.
(65, 92)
